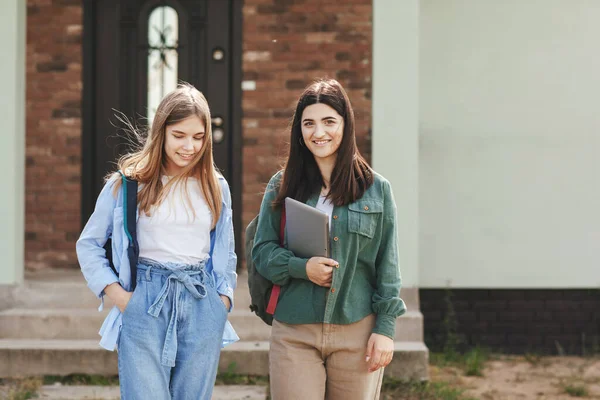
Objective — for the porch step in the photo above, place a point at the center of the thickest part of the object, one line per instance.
(68, 289)
(84, 323)
(410, 359)
(220, 392)
(50, 326)
(70, 293)
(30, 357)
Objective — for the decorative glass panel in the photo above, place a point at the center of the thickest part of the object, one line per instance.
(163, 40)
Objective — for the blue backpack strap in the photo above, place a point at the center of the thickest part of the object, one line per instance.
(130, 225)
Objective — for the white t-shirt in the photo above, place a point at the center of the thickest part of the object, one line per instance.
(172, 233)
(326, 206)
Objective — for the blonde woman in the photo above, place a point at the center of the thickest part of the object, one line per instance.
(170, 329)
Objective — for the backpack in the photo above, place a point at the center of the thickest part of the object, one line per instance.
(263, 293)
(130, 225)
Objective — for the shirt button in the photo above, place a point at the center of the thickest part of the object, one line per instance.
(337, 265)
(335, 217)
(333, 290)
(335, 239)
(366, 208)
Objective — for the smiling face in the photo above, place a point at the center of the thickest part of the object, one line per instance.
(322, 131)
(183, 142)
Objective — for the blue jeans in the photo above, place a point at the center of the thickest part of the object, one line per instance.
(170, 339)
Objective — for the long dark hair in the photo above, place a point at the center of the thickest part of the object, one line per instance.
(351, 175)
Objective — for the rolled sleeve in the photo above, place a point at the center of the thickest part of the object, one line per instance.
(297, 268)
(385, 325)
(104, 278)
(225, 290)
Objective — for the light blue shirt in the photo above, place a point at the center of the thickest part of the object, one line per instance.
(107, 222)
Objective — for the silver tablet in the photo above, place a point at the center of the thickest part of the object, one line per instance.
(307, 230)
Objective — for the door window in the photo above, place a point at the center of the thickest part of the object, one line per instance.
(163, 40)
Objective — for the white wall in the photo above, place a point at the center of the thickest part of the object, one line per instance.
(510, 143)
(12, 140)
(395, 118)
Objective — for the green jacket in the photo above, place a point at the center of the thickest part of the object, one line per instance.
(365, 244)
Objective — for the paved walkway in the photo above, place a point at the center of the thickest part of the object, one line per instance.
(227, 392)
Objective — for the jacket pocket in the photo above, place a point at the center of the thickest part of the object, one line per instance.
(363, 216)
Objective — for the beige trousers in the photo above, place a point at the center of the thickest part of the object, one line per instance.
(322, 361)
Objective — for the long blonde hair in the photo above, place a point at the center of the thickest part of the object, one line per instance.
(147, 164)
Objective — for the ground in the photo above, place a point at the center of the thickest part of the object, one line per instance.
(505, 378)
(512, 378)
(500, 378)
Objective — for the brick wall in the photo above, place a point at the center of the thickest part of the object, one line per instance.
(53, 132)
(514, 320)
(286, 45)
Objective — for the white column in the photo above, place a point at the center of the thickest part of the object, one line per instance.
(395, 138)
(12, 140)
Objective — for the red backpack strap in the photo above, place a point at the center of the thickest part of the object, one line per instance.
(276, 288)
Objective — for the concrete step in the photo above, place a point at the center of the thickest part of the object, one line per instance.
(68, 289)
(221, 392)
(84, 323)
(51, 323)
(27, 357)
(409, 327)
(60, 392)
(56, 294)
(31, 357)
(410, 361)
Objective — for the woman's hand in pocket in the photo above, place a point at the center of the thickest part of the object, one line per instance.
(225, 301)
(118, 295)
(124, 301)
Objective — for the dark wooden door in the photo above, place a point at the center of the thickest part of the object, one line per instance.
(125, 43)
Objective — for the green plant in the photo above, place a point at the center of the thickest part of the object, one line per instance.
(230, 377)
(23, 389)
(474, 361)
(82, 379)
(450, 325)
(403, 390)
(559, 349)
(438, 360)
(576, 390)
(533, 359)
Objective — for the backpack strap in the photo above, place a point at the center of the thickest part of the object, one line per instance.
(130, 224)
(277, 288)
(282, 226)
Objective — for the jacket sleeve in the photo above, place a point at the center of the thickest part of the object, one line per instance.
(387, 304)
(90, 251)
(226, 283)
(275, 263)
